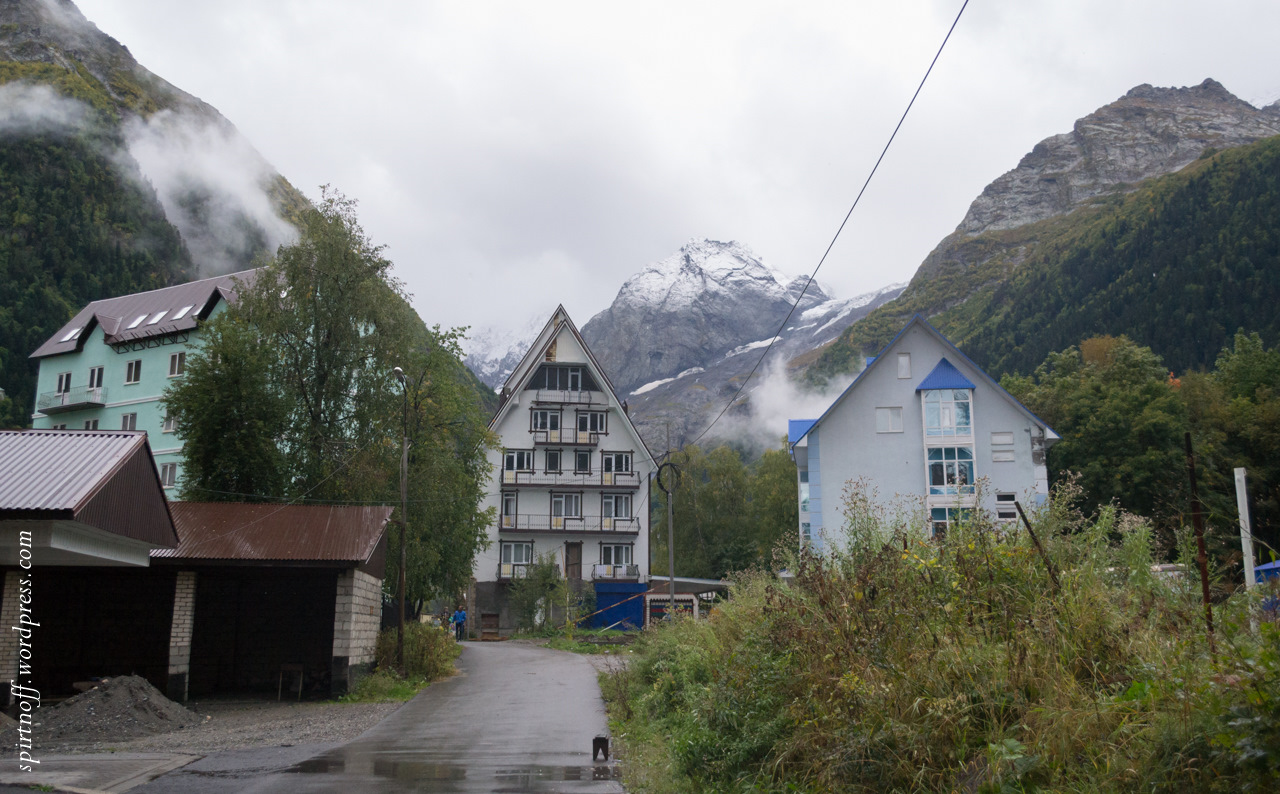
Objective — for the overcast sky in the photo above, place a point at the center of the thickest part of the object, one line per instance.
(513, 156)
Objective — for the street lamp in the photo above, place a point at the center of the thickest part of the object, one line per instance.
(404, 513)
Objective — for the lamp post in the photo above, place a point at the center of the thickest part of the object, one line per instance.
(404, 513)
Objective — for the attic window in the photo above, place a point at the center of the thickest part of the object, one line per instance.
(159, 316)
(136, 322)
(183, 312)
(72, 335)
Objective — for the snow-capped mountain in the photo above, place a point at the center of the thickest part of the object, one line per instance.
(492, 353)
(692, 308)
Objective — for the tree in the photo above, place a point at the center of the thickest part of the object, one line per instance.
(773, 491)
(303, 362)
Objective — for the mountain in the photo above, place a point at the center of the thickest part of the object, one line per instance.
(111, 181)
(492, 353)
(1059, 248)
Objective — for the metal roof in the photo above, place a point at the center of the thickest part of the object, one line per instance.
(796, 428)
(104, 479)
(303, 533)
(945, 376)
(115, 315)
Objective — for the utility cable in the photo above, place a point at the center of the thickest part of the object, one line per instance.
(831, 245)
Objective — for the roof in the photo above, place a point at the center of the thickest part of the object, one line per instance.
(155, 313)
(945, 376)
(536, 354)
(798, 428)
(299, 533)
(875, 361)
(103, 479)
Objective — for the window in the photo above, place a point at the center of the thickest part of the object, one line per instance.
(59, 427)
(947, 412)
(941, 519)
(183, 312)
(950, 471)
(95, 377)
(806, 533)
(615, 554)
(136, 323)
(553, 461)
(616, 462)
(159, 316)
(91, 424)
(804, 491)
(566, 505)
(170, 425)
(1002, 447)
(615, 505)
(545, 420)
(168, 474)
(889, 420)
(515, 560)
(64, 382)
(1006, 510)
(582, 461)
(519, 460)
(509, 504)
(129, 422)
(72, 335)
(177, 364)
(591, 422)
(904, 365)
(133, 371)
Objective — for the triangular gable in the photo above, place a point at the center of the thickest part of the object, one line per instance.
(945, 376)
(537, 354)
(875, 361)
(798, 429)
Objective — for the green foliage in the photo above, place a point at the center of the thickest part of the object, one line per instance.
(728, 516)
(533, 596)
(307, 354)
(899, 663)
(429, 651)
(1176, 266)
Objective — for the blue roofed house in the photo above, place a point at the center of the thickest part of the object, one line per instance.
(924, 422)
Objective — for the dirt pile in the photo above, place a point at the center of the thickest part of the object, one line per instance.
(124, 707)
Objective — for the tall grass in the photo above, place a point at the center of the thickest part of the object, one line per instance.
(902, 663)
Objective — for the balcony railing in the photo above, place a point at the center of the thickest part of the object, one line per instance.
(524, 522)
(577, 438)
(569, 480)
(615, 571)
(512, 570)
(52, 402)
(569, 397)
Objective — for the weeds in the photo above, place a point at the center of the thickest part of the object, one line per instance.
(899, 662)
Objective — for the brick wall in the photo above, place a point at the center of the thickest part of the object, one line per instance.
(356, 617)
(184, 615)
(9, 638)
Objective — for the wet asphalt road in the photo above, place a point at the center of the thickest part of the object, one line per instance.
(517, 718)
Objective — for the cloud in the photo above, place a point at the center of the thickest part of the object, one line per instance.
(776, 399)
(28, 109)
(213, 186)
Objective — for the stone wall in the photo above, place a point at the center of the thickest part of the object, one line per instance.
(184, 616)
(356, 616)
(9, 637)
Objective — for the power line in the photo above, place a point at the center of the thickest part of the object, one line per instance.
(831, 245)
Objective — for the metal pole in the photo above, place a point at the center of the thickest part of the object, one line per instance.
(673, 479)
(404, 515)
(1202, 557)
(1246, 530)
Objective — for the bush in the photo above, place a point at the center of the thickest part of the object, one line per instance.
(904, 663)
(429, 651)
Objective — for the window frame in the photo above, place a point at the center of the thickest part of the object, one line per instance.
(587, 418)
(890, 412)
(177, 364)
(133, 372)
(952, 483)
(129, 421)
(170, 425)
(609, 462)
(95, 377)
(904, 366)
(549, 417)
(564, 500)
(579, 456)
(168, 474)
(948, 411)
(64, 383)
(610, 502)
(516, 455)
(559, 461)
(613, 549)
(91, 424)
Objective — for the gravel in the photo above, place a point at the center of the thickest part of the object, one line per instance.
(127, 714)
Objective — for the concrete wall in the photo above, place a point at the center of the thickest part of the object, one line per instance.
(356, 617)
(184, 618)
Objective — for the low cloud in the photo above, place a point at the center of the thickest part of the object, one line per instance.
(213, 186)
(29, 109)
(777, 398)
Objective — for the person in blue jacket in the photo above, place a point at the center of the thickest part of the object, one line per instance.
(459, 620)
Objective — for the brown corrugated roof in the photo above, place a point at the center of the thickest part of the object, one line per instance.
(105, 479)
(235, 531)
(115, 315)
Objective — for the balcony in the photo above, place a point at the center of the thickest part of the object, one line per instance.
(512, 570)
(524, 522)
(627, 480)
(577, 438)
(567, 397)
(615, 572)
(52, 402)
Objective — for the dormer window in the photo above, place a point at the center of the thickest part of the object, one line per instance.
(183, 312)
(948, 412)
(158, 317)
(136, 322)
(72, 335)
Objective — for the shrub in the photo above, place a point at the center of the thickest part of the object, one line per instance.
(429, 651)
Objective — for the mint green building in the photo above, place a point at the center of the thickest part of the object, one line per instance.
(108, 367)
